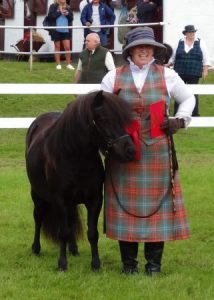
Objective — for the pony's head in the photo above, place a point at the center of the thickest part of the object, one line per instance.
(111, 115)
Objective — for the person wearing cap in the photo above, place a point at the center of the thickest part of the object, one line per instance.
(191, 61)
(143, 199)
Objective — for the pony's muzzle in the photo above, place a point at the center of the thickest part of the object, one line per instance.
(130, 153)
(125, 151)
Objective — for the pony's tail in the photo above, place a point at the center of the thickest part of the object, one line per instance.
(51, 224)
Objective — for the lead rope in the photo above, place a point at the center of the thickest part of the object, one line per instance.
(169, 137)
(124, 209)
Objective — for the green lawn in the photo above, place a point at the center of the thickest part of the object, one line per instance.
(188, 266)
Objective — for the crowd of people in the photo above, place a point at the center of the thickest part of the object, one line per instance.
(93, 14)
(148, 205)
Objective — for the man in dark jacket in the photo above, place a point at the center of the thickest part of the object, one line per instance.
(96, 14)
(94, 62)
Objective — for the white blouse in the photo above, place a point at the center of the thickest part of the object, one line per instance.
(176, 88)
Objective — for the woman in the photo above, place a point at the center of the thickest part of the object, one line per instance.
(143, 200)
(191, 60)
(60, 14)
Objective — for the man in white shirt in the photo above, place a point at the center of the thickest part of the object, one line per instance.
(96, 14)
(94, 62)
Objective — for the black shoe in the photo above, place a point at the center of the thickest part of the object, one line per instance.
(130, 270)
(152, 271)
(153, 255)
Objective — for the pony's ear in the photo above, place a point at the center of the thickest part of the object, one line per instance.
(98, 100)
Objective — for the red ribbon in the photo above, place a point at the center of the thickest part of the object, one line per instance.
(133, 130)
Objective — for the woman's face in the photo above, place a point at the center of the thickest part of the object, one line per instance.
(190, 35)
(141, 55)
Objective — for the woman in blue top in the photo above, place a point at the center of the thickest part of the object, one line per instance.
(60, 14)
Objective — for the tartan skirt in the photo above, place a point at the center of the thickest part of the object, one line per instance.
(138, 198)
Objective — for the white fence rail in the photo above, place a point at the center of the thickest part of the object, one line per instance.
(77, 89)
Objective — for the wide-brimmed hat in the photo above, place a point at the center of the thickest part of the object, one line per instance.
(140, 36)
(189, 28)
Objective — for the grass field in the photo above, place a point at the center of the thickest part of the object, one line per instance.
(188, 266)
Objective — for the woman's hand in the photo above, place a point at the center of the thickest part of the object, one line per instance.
(172, 125)
(205, 72)
(64, 12)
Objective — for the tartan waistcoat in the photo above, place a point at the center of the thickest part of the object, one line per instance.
(154, 89)
(93, 65)
(189, 63)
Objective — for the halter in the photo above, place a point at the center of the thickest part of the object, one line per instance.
(108, 141)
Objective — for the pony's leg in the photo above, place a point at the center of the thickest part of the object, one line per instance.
(63, 236)
(75, 229)
(62, 261)
(39, 211)
(93, 234)
(73, 248)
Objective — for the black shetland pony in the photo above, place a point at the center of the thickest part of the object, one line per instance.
(65, 169)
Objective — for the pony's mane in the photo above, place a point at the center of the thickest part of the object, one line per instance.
(77, 119)
(80, 111)
(117, 110)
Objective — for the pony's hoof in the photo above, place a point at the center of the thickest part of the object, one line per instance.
(36, 249)
(62, 265)
(95, 265)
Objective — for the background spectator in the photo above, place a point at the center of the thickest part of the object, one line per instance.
(145, 11)
(96, 14)
(83, 3)
(191, 60)
(94, 62)
(60, 14)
